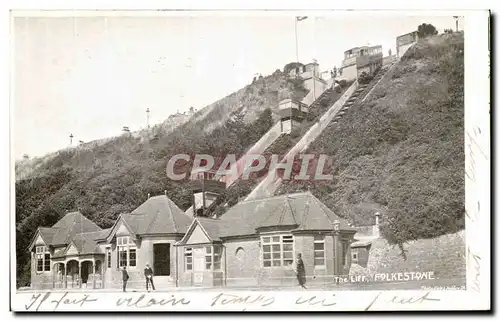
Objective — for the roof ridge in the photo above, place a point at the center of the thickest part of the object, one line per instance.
(153, 221)
(323, 211)
(269, 198)
(172, 214)
(306, 212)
(291, 209)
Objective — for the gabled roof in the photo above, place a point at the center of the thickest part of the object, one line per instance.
(47, 234)
(65, 229)
(86, 244)
(302, 210)
(157, 215)
(212, 228)
(70, 225)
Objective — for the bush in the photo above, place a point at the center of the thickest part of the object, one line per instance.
(425, 30)
(342, 83)
(364, 78)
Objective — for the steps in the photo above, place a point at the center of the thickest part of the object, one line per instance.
(357, 93)
(269, 184)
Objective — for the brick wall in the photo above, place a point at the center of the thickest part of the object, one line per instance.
(247, 270)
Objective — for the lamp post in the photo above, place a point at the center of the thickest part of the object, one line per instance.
(456, 22)
(336, 232)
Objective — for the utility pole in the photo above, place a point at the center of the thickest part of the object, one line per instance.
(297, 19)
(456, 22)
(147, 117)
(296, 40)
(71, 139)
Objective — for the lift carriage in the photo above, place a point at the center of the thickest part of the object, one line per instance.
(362, 63)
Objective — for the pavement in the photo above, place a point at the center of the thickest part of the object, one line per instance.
(437, 284)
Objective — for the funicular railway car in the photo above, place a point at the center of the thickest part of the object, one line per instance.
(361, 63)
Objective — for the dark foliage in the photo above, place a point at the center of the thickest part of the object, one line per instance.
(425, 30)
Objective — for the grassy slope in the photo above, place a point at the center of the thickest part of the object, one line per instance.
(401, 152)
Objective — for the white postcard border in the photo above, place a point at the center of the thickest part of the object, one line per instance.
(477, 297)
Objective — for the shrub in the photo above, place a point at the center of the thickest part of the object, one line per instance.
(365, 78)
(426, 30)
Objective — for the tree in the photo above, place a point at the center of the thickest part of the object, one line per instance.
(425, 30)
(291, 66)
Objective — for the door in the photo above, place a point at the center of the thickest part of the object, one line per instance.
(161, 259)
(199, 265)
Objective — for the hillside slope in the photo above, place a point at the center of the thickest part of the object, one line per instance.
(102, 180)
(401, 152)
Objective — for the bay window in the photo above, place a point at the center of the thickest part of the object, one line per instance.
(127, 252)
(42, 257)
(213, 257)
(277, 250)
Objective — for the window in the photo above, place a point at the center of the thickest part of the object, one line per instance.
(277, 250)
(319, 251)
(354, 255)
(213, 257)
(217, 257)
(126, 252)
(108, 257)
(46, 262)
(42, 257)
(188, 258)
(208, 258)
(132, 257)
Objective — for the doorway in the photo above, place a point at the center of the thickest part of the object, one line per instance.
(161, 259)
(86, 271)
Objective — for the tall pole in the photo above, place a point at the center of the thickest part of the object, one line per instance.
(147, 117)
(456, 22)
(296, 40)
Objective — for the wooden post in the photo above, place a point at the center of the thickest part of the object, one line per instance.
(94, 273)
(80, 273)
(65, 275)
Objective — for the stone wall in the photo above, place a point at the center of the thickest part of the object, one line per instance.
(444, 255)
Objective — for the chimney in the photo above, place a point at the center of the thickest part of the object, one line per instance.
(376, 227)
(149, 195)
(165, 192)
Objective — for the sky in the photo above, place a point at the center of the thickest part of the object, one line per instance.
(90, 76)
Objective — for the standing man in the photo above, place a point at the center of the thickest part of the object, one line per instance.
(148, 273)
(125, 278)
(301, 271)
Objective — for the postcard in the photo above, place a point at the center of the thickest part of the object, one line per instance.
(250, 160)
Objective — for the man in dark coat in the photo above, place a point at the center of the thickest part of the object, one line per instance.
(148, 273)
(125, 278)
(301, 271)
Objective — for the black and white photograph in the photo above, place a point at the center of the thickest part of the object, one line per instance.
(249, 160)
